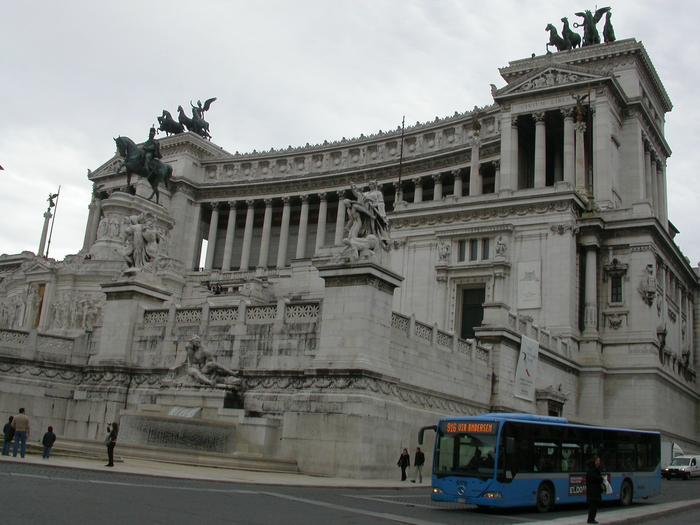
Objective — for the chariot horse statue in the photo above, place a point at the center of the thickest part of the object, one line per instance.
(136, 161)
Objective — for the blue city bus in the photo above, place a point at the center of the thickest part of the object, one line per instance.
(520, 460)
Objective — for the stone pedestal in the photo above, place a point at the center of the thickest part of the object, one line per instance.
(126, 299)
(356, 317)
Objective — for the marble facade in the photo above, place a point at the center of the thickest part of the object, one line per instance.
(516, 219)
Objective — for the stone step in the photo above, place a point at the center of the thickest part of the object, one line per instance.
(90, 449)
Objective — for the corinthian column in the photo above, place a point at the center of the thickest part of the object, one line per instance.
(303, 225)
(418, 190)
(248, 234)
(540, 150)
(230, 231)
(569, 146)
(340, 219)
(475, 181)
(213, 226)
(265, 241)
(580, 129)
(321, 225)
(437, 192)
(284, 233)
(458, 182)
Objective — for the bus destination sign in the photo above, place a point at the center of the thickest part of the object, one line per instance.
(469, 427)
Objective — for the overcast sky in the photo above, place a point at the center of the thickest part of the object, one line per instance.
(75, 74)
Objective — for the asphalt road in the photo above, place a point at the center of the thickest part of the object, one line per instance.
(40, 494)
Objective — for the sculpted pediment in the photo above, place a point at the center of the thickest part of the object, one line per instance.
(548, 77)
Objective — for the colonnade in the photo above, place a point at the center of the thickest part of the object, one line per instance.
(302, 230)
(653, 188)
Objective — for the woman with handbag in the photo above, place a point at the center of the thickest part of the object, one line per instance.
(111, 442)
(594, 488)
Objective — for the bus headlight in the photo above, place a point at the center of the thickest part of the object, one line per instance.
(493, 495)
(437, 491)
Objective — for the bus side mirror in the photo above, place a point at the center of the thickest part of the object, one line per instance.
(510, 445)
(422, 430)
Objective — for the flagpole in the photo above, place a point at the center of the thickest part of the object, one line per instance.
(48, 244)
(403, 127)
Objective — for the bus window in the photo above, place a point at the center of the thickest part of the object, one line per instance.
(547, 456)
(571, 457)
(465, 454)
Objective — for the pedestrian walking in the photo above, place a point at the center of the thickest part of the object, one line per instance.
(9, 433)
(21, 425)
(404, 462)
(111, 442)
(48, 440)
(418, 463)
(594, 488)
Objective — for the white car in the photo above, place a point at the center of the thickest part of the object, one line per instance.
(684, 467)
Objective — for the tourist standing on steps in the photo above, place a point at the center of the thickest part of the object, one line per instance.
(594, 488)
(48, 440)
(404, 462)
(418, 463)
(111, 442)
(9, 434)
(21, 425)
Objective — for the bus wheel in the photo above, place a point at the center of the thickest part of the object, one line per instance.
(626, 493)
(545, 497)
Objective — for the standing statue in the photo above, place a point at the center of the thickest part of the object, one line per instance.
(590, 33)
(144, 162)
(367, 214)
(141, 242)
(647, 285)
(608, 31)
(196, 124)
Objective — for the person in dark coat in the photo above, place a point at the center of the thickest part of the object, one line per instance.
(418, 463)
(594, 488)
(111, 442)
(48, 440)
(404, 462)
(9, 436)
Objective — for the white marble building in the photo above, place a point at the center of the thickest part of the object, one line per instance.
(543, 215)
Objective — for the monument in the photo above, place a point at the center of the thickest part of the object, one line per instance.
(351, 292)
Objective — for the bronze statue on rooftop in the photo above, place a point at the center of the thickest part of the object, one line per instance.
(590, 33)
(144, 162)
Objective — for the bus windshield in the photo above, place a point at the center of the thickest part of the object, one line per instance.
(466, 454)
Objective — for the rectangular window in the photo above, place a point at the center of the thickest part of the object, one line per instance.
(616, 289)
(462, 251)
(472, 311)
(473, 250)
(485, 247)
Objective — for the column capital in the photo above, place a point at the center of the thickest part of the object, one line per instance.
(568, 113)
(538, 116)
(341, 194)
(268, 203)
(232, 204)
(514, 121)
(496, 164)
(437, 177)
(287, 201)
(214, 205)
(418, 181)
(323, 196)
(304, 198)
(580, 127)
(250, 203)
(457, 173)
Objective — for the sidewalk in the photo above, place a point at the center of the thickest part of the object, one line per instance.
(171, 470)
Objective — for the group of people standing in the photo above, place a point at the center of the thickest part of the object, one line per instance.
(17, 428)
(405, 462)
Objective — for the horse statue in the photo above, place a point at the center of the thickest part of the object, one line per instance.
(134, 163)
(554, 39)
(590, 33)
(169, 125)
(571, 37)
(196, 124)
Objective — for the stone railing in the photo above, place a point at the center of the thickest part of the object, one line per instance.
(33, 345)
(439, 338)
(523, 325)
(287, 312)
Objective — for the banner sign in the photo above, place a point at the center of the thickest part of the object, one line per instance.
(526, 371)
